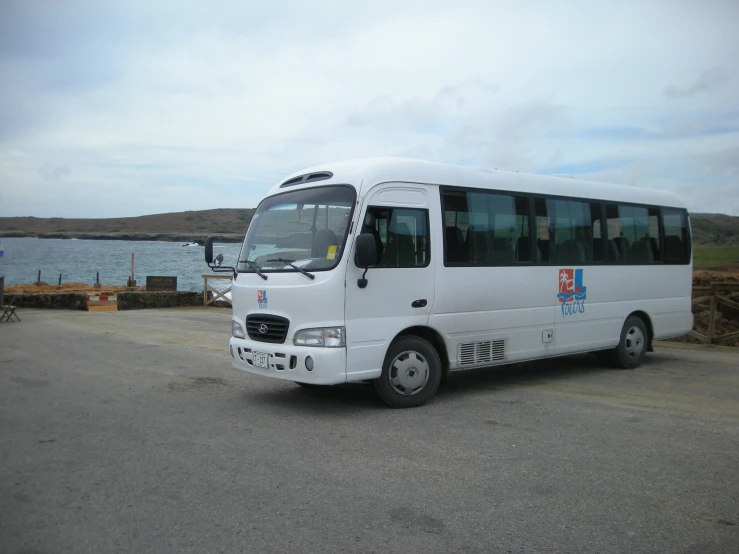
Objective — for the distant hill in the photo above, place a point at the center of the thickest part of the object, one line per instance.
(715, 229)
(229, 225)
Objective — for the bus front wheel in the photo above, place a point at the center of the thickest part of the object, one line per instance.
(632, 348)
(411, 373)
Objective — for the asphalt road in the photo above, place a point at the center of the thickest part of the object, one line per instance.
(129, 432)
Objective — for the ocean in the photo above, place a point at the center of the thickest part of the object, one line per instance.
(78, 261)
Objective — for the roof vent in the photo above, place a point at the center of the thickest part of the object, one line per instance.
(293, 181)
(307, 178)
(319, 176)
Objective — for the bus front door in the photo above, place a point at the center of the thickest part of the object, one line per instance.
(400, 290)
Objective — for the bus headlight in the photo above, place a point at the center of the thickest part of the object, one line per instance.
(237, 330)
(329, 337)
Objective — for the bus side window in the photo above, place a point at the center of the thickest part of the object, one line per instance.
(635, 230)
(654, 240)
(485, 228)
(542, 230)
(404, 235)
(573, 233)
(616, 244)
(599, 243)
(677, 241)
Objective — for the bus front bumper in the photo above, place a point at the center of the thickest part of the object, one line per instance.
(289, 362)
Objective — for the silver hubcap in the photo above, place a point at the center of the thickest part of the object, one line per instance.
(409, 373)
(634, 343)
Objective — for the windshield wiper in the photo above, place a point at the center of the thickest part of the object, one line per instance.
(291, 264)
(256, 267)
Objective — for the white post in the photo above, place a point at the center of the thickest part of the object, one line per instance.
(132, 280)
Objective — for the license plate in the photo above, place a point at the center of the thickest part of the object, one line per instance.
(261, 359)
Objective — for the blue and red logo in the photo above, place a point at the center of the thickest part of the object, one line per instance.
(571, 291)
(262, 299)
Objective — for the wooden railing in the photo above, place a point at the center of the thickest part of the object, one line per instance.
(216, 294)
(713, 295)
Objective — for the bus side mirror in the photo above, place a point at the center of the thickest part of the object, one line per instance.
(215, 264)
(209, 250)
(365, 255)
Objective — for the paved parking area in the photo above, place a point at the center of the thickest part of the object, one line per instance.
(129, 432)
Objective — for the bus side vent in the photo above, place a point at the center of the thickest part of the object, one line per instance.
(477, 353)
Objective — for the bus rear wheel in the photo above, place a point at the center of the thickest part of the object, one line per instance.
(632, 348)
(411, 373)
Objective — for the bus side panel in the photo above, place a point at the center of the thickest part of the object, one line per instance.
(614, 292)
(477, 304)
(592, 319)
(673, 316)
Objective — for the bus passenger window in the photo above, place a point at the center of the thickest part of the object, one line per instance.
(654, 234)
(677, 239)
(634, 222)
(542, 230)
(485, 228)
(573, 232)
(598, 238)
(616, 244)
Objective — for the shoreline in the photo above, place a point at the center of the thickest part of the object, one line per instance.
(158, 237)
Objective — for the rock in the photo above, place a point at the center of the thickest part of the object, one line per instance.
(61, 301)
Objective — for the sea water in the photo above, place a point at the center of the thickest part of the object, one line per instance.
(78, 261)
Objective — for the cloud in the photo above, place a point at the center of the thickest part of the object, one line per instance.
(54, 173)
(708, 82)
(449, 103)
(219, 102)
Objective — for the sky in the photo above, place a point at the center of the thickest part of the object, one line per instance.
(111, 109)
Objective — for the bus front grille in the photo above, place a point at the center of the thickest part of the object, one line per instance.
(478, 353)
(267, 328)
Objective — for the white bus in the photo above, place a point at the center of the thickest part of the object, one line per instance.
(398, 271)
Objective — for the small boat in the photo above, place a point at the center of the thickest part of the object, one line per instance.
(190, 244)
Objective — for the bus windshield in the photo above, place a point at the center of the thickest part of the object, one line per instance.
(306, 228)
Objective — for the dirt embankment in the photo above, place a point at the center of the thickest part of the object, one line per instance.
(703, 278)
(726, 321)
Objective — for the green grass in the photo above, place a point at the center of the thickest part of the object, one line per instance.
(715, 256)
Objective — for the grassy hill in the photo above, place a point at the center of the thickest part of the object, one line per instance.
(715, 229)
(228, 224)
(716, 240)
(716, 236)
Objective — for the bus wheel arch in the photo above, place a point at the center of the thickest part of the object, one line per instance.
(433, 337)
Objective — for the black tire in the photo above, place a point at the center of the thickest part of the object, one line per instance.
(307, 385)
(632, 347)
(411, 373)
